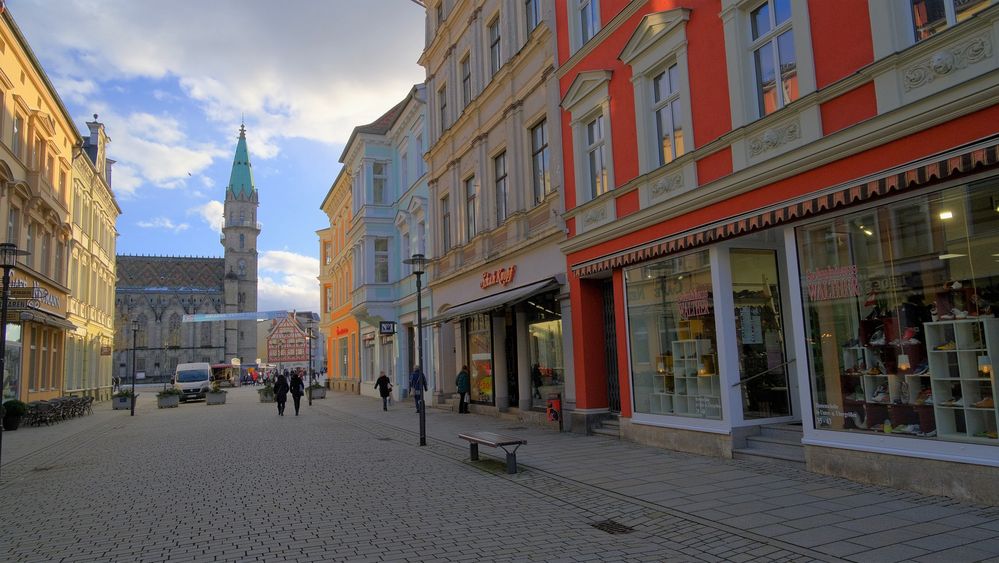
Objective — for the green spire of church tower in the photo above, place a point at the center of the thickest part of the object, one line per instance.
(241, 178)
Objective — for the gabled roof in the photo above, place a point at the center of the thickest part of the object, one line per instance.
(380, 126)
(169, 272)
(241, 178)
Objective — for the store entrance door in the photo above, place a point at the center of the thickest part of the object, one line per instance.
(759, 334)
(610, 358)
(512, 386)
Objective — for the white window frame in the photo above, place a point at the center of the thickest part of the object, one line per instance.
(658, 42)
(466, 80)
(494, 36)
(540, 174)
(377, 178)
(893, 28)
(576, 9)
(769, 38)
(381, 258)
(533, 16)
(471, 207)
(501, 187)
(594, 147)
(442, 107)
(739, 57)
(587, 98)
(447, 241)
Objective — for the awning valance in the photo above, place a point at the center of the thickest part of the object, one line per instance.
(41, 317)
(496, 300)
(969, 159)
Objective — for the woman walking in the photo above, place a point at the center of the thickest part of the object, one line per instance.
(280, 392)
(463, 384)
(297, 389)
(384, 387)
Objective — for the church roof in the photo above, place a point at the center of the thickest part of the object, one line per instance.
(170, 273)
(241, 178)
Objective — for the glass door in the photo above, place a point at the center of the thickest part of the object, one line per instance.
(763, 369)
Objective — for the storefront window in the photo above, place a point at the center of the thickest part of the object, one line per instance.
(544, 327)
(671, 326)
(480, 355)
(900, 316)
(12, 363)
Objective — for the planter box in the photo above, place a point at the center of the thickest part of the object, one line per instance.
(214, 398)
(266, 397)
(121, 403)
(168, 401)
(318, 393)
(11, 423)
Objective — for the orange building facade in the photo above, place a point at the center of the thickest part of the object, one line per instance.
(339, 327)
(784, 215)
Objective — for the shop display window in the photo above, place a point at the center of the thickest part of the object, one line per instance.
(671, 328)
(900, 304)
(544, 327)
(478, 331)
(12, 363)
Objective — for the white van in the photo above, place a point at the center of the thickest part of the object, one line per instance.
(194, 380)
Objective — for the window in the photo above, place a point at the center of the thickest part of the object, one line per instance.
(446, 223)
(44, 258)
(329, 299)
(242, 241)
(173, 334)
(379, 178)
(470, 208)
(499, 169)
(442, 107)
(58, 261)
(404, 170)
(495, 58)
(539, 161)
(669, 131)
(29, 259)
(419, 155)
(16, 141)
(929, 17)
(381, 260)
(533, 14)
(773, 53)
(466, 82)
(328, 252)
(588, 12)
(12, 224)
(596, 166)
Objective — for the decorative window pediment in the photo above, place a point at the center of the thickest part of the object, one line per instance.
(585, 84)
(665, 27)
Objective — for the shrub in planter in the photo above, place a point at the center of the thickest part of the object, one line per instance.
(168, 398)
(122, 400)
(267, 393)
(317, 391)
(13, 412)
(217, 395)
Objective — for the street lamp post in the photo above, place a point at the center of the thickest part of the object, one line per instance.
(135, 331)
(8, 259)
(419, 263)
(310, 337)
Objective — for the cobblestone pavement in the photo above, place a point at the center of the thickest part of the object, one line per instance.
(347, 481)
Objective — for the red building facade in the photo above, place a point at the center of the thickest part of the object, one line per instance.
(783, 212)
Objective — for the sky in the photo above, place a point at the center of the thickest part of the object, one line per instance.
(171, 81)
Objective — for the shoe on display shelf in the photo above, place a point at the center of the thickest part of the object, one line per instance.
(851, 343)
(986, 403)
(921, 369)
(877, 338)
(955, 402)
(947, 346)
(930, 434)
(925, 397)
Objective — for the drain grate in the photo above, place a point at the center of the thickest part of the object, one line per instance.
(612, 527)
(515, 428)
(384, 439)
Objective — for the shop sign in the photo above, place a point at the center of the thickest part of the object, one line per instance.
(340, 331)
(825, 284)
(105, 350)
(502, 276)
(38, 293)
(696, 303)
(386, 327)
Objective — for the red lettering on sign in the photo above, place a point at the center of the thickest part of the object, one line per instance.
(502, 276)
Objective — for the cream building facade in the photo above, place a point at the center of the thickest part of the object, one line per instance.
(498, 277)
(92, 269)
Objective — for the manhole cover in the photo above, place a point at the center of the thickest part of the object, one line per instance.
(612, 527)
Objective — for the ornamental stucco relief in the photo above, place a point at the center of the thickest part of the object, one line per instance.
(946, 61)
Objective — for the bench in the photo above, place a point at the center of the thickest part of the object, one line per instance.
(494, 440)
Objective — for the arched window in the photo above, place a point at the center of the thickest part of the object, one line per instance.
(242, 268)
(242, 241)
(173, 336)
(206, 334)
(141, 340)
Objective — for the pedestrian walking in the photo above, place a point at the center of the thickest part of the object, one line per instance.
(536, 380)
(384, 387)
(417, 385)
(280, 393)
(297, 389)
(464, 386)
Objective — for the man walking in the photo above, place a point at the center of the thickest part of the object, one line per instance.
(417, 385)
(462, 383)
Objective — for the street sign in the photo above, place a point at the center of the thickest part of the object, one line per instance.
(386, 327)
(22, 293)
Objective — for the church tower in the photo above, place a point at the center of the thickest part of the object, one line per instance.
(239, 241)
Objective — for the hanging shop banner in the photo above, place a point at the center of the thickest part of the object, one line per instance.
(254, 316)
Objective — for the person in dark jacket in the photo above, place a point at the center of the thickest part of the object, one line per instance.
(417, 385)
(280, 392)
(384, 387)
(463, 383)
(297, 389)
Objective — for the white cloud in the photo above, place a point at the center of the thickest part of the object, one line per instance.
(287, 281)
(75, 90)
(212, 213)
(163, 223)
(233, 61)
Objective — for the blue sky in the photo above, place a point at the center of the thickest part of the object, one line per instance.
(171, 80)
